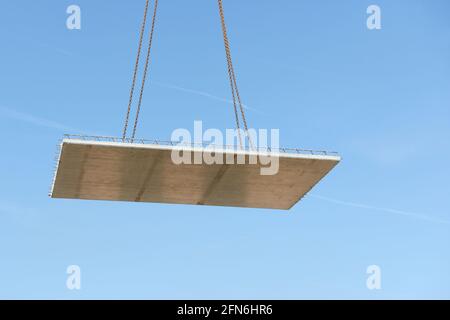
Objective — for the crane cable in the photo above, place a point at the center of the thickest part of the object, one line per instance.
(136, 67)
(232, 76)
(149, 49)
(233, 82)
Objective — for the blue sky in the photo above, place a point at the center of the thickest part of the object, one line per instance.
(310, 68)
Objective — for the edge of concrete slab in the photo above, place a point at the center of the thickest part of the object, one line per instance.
(218, 149)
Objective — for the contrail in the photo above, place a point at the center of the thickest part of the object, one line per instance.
(388, 210)
(54, 48)
(37, 121)
(201, 93)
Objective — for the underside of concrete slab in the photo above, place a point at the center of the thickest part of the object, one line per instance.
(138, 172)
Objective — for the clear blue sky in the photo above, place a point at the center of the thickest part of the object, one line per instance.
(312, 69)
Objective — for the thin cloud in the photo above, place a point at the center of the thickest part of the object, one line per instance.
(387, 210)
(11, 209)
(201, 93)
(36, 121)
(19, 214)
(56, 49)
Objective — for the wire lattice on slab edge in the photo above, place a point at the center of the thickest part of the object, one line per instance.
(137, 141)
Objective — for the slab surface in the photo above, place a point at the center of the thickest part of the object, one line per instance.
(119, 171)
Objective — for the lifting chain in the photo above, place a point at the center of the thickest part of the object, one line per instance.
(136, 67)
(232, 76)
(233, 82)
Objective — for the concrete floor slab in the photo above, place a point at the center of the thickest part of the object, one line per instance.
(117, 171)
